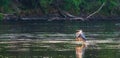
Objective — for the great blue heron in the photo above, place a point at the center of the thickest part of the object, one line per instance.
(80, 36)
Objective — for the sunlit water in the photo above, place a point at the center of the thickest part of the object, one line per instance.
(57, 39)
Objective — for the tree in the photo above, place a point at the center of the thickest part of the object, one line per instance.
(4, 5)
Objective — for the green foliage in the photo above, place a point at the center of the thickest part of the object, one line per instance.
(29, 4)
(4, 5)
(45, 4)
(1, 16)
(112, 7)
(69, 4)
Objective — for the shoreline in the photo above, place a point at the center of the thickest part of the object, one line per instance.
(59, 18)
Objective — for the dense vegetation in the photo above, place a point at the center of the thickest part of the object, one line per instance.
(75, 7)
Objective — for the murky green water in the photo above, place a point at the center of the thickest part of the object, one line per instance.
(57, 39)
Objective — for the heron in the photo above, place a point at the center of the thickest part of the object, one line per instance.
(80, 36)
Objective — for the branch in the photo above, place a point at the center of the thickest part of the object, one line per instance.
(96, 11)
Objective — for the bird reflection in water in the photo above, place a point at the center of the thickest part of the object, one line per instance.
(80, 49)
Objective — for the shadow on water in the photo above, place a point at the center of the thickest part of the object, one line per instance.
(56, 40)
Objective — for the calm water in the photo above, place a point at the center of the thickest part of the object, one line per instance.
(57, 39)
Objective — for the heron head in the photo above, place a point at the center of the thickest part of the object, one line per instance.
(79, 31)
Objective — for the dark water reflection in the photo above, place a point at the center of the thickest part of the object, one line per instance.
(56, 39)
(61, 27)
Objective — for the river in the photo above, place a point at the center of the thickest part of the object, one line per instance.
(56, 39)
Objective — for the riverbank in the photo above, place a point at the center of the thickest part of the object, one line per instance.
(59, 18)
(51, 10)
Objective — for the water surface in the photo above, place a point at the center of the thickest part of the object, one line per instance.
(55, 39)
